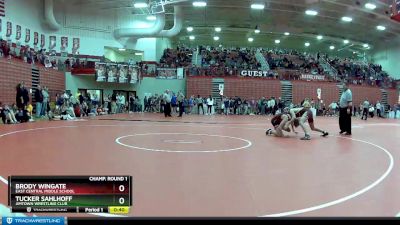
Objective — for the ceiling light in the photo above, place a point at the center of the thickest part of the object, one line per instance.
(365, 45)
(138, 53)
(311, 12)
(218, 29)
(250, 39)
(140, 4)
(287, 33)
(257, 6)
(332, 47)
(151, 17)
(199, 4)
(190, 29)
(192, 37)
(347, 19)
(346, 41)
(122, 49)
(277, 41)
(381, 27)
(307, 44)
(257, 31)
(319, 37)
(216, 38)
(370, 6)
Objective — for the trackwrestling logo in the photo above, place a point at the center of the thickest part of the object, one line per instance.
(33, 220)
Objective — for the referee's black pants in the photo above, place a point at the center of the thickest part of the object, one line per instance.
(167, 110)
(365, 113)
(345, 120)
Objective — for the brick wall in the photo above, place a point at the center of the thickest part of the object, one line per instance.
(361, 92)
(15, 71)
(393, 96)
(52, 79)
(252, 88)
(258, 87)
(199, 86)
(304, 89)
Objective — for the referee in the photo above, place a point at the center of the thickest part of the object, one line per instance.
(345, 104)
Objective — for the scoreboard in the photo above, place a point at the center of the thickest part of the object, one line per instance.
(70, 194)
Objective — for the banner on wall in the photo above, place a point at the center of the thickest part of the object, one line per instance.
(101, 72)
(312, 77)
(53, 42)
(42, 40)
(64, 43)
(221, 88)
(122, 73)
(112, 72)
(180, 72)
(134, 74)
(18, 33)
(75, 45)
(35, 38)
(27, 35)
(319, 93)
(166, 73)
(9, 29)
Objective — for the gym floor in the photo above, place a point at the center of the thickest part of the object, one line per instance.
(218, 165)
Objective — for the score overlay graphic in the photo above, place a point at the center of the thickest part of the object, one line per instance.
(70, 194)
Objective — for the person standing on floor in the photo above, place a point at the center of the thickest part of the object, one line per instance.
(365, 109)
(345, 104)
(210, 103)
(45, 93)
(180, 98)
(378, 107)
(39, 101)
(200, 102)
(167, 99)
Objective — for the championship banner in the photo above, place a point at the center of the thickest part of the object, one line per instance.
(18, 35)
(122, 73)
(319, 93)
(312, 77)
(53, 42)
(27, 35)
(9, 29)
(112, 70)
(76, 43)
(42, 40)
(254, 73)
(64, 43)
(101, 72)
(180, 73)
(166, 73)
(35, 38)
(221, 88)
(134, 74)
